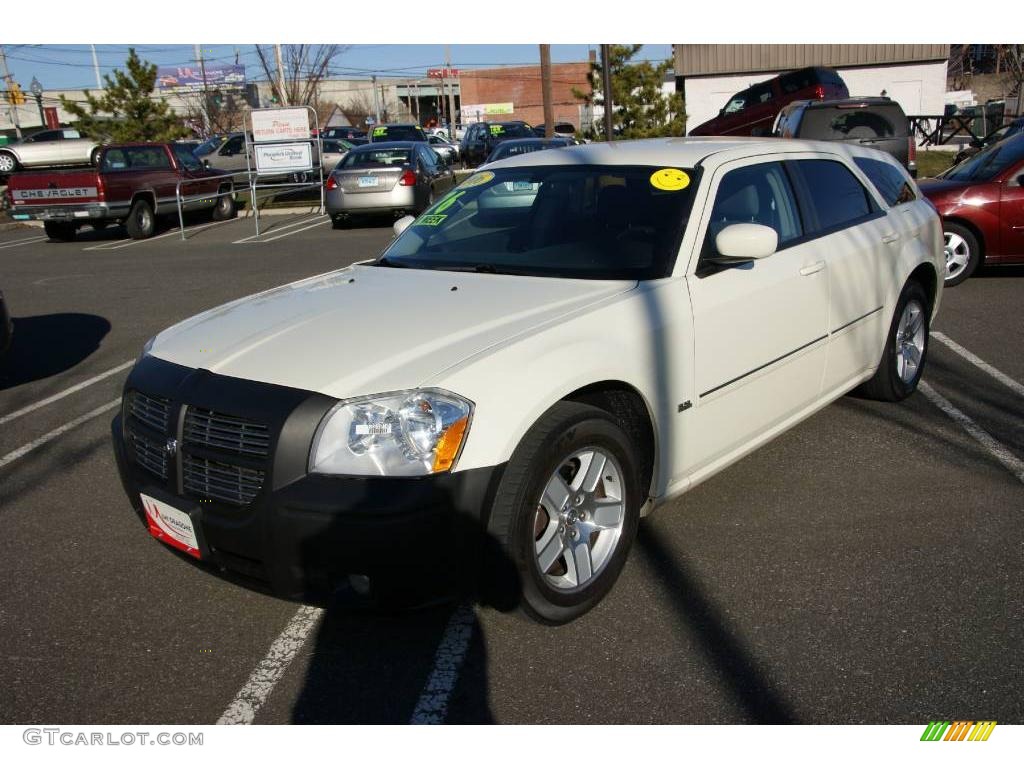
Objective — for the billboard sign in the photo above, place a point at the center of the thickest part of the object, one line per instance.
(190, 78)
(443, 73)
(470, 112)
(275, 158)
(280, 124)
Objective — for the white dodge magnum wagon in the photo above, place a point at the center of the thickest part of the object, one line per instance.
(557, 346)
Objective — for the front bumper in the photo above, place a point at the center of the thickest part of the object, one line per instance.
(402, 541)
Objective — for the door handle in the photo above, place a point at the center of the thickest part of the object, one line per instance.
(892, 237)
(810, 269)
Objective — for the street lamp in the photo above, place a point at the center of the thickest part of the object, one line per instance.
(37, 91)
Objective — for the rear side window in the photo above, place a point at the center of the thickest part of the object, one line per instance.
(893, 186)
(837, 124)
(792, 82)
(831, 194)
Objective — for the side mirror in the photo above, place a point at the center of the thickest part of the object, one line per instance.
(206, 163)
(977, 143)
(721, 112)
(744, 242)
(403, 224)
(1020, 180)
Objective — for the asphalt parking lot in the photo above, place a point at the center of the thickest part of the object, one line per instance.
(863, 568)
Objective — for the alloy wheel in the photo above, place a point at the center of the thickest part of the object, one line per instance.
(958, 254)
(579, 519)
(910, 341)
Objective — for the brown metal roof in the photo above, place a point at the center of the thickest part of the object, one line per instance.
(695, 60)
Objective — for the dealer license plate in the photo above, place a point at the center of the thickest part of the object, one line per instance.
(170, 525)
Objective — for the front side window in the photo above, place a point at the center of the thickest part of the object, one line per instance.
(754, 194)
(588, 222)
(832, 193)
(891, 184)
(736, 103)
(233, 146)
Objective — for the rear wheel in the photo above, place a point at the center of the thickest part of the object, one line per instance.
(8, 163)
(60, 231)
(94, 158)
(566, 512)
(963, 253)
(906, 348)
(141, 222)
(225, 208)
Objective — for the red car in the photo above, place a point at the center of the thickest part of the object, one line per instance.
(981, 202)
(752, 112)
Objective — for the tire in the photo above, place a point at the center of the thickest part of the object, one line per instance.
(341, 222)
(59, 231)
(94, 158)
(99, 226)
(141, 223)
(527, 513)
(8, 163)
(225, 208)
(895, 378)
(963, 253)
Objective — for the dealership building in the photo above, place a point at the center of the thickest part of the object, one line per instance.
(913, 75)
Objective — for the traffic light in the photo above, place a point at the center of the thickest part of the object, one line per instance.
(16, 96)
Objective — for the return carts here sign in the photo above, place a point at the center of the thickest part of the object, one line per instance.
(280, 125)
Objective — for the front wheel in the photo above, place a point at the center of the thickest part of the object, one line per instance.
(566, 511)
(963, 253)
(225, 208)
(8, 163)
(906, 348)
(94, 158)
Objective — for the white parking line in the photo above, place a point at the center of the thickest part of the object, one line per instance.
(252, 696)
(296, 231)
(23, 242)
(69, 391)
(993, 446)
(432, 706)
(113, 246)
(970, 357)
(15, 455)
(275, 230)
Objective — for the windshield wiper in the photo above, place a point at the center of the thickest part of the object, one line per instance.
(384, 261)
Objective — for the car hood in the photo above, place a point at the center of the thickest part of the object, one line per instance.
(365, 329)
(944, 188)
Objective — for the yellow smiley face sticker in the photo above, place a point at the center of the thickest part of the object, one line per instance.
(477, 179)
(670, 180)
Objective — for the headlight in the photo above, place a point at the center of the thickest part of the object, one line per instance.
(145, 348)
(398, 434)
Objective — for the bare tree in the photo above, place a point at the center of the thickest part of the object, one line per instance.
(225, 109)
(304, 67)
(357, 109)
(1012, 65)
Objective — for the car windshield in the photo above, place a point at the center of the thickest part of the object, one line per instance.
(207, 147)
(397, 133)
(988, 163)
(579, 221)
(376, 158)
(511, 130)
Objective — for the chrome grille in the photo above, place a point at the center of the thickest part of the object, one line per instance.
(149, 454)
(219, 431)
(149, 410)
(217, 480)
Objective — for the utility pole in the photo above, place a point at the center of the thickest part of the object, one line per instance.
(545, 87)
(206, 95)
(376, 102)
(8, 80)
(96, 67)
(451, 92)
(280, 76)
(606, 85)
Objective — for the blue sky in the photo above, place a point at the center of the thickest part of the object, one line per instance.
(70, 66)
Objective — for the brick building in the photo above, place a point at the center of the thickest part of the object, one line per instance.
(514, 93)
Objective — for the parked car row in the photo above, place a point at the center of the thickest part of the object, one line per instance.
(64, 146)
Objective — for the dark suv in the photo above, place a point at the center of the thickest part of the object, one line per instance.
(751, 112)
(397, 132)
(480, 139)
(875, 122)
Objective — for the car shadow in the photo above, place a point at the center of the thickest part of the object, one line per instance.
(394, 656)
(45, 345)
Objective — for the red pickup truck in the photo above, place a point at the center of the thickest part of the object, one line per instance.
(132, 184)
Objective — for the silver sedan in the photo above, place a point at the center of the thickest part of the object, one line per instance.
(63, 146)
(395, 177)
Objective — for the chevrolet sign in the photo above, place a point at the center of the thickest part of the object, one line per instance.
(53, 194)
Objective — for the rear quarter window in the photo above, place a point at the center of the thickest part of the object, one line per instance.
(892, 184)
